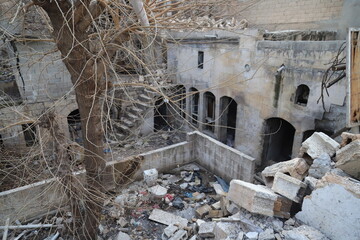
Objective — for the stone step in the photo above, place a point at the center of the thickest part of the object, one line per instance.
(122, 127)
(143, 105)
(132, 116)
(127, 122)
(145, 98)
(136, 110)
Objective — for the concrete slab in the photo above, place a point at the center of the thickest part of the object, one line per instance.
(166, 218)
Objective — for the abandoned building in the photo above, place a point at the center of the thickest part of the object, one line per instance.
(237, 97)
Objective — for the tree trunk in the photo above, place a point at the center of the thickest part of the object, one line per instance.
(87, 71)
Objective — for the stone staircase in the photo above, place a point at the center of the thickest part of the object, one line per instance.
(132, 116)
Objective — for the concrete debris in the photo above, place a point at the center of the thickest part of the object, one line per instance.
(150, 176)
(240, 236)
(122, 236)
(258, 199)
(170, 230)
(219, 190)
(167, 218)
(180, 235)
(252, 235)
(289, 187)
(203, 210)
(317, 144)
(224, 230)
(310, 182)
(320, 166)
(348, 138)
(348, 159)
(334, 207)
(296, 168)
(268, 234)
(158, 191)
(305, 233)
(206, 230)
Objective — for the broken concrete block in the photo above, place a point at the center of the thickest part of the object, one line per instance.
(224, 230)
(252, 235)
(150, 176)
(166, 218)
(240, 236)
(202, 211)
(158, 191)
(318, 144)
(258, 199)
(348, 159)
(268, 234)
(170, 230)
(296, 167)
(304, 232)
(311, 182)
(180, 235)
(122, 236)
(333, 207)
(219, 190)
(206, 230)
(320, 166)
(348, 138)
(216, 205)
(289, 187)
(199, 222)
(215, 214)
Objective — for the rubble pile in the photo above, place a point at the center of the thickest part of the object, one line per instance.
(191, 203)
(206, 22)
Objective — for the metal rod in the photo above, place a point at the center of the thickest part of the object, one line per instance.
(30, 226)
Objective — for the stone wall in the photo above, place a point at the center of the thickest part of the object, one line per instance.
(41, 197)
(284, 14)
(244, 67)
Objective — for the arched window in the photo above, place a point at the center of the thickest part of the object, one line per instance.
(302, 95)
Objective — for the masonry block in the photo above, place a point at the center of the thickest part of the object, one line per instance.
(348, 159)
(289, 187)
(296, 168)
(318, 144)
(258, 199)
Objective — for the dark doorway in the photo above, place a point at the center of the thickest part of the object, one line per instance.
(74, 123)
(228, 111)
(161, 115)
(209, 101)
(194, 106)
(29, 130)
(278, 141)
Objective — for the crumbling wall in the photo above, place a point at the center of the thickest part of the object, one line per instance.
(245, 69)
(283, 14)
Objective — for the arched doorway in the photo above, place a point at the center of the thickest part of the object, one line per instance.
(161, 115)
(74, 123)
(278, 141)
(228, 111)
(302, 95)
(194, 105)
(209, 111)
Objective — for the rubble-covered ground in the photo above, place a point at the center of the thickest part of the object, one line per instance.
(319, 188)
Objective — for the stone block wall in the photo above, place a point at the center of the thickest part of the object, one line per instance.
(285, 14)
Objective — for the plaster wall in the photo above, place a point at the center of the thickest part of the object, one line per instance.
(224, 74)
